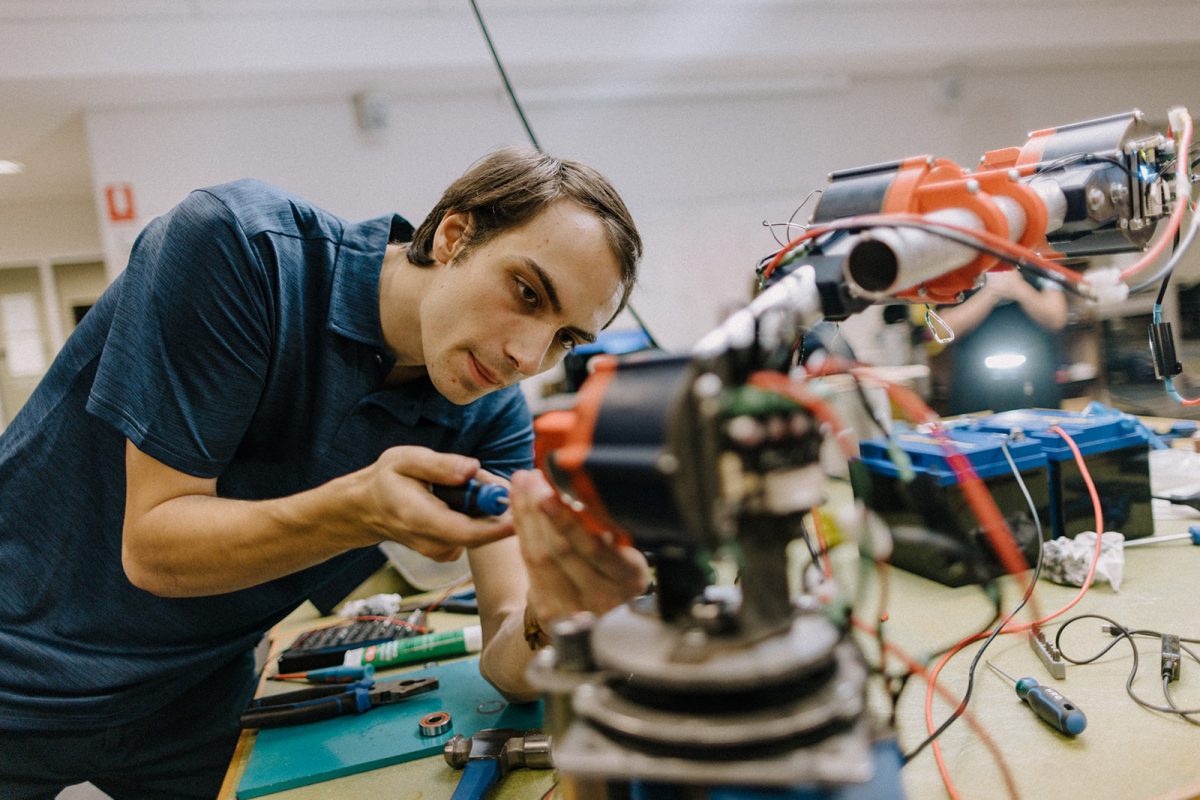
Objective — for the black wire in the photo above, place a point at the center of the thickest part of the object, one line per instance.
(808, 541)
(997, 612)
(1083, 158)
(962, 705)
(504, 76)
(1171, 701)
(895, 685)
(512, 95)
(953, 236)
(1123, 634)
(1162, 290)
(649, 336)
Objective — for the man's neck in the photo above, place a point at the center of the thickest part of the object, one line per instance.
(401, 286)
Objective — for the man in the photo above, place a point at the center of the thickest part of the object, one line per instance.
(264, 392)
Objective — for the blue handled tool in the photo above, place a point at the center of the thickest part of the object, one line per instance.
(341, 674)
(1193, 534)
(474, 498)
(327, 702)
(486, 757)
(1054, 709)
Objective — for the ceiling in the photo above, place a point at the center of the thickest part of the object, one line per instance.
(59, 58)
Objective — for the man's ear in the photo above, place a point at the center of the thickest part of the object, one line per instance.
(451, 235)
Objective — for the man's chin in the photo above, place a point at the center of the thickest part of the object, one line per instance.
(459, 392)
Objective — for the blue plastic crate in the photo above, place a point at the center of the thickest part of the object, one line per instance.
(1092, 433)
(1115, 448)
(934, 531)
(981, 448)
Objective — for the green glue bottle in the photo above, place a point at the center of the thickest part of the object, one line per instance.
(416, 649)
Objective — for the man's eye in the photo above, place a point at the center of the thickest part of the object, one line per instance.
(527, 293)
(567, 341)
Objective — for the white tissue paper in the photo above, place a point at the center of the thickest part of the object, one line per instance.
(1067, 561)
(377, 605)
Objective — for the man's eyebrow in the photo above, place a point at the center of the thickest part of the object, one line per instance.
(552, 295)
(547, 284)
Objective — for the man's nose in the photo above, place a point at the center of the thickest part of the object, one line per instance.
(527, 348)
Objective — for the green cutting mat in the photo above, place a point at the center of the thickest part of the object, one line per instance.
(285, 758)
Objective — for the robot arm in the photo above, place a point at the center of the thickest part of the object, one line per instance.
(674, 452)
(686, 456)
(925, 229)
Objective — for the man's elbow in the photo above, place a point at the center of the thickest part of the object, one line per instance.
(141, 572)
(514, 689)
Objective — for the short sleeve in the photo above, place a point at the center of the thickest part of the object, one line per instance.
(185, 360)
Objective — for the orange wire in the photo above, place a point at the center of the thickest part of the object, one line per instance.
(974, 491)
(793, 390)
(915, 667)
(1087, 479)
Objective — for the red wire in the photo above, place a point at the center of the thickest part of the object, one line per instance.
(916, 668)
(1087, 479)
(781, 384)
(974, 491)
(449, 591)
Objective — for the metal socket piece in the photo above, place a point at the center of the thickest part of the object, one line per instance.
(435, 724)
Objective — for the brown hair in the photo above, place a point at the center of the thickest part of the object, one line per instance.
(509, 187)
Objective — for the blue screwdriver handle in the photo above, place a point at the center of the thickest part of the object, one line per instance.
(1052, 707)
(474, 498)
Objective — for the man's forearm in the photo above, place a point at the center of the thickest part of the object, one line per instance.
(201, 545)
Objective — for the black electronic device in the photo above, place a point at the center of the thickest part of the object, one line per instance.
(326, 647)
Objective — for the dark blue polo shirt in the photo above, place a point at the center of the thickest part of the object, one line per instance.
(243, 342)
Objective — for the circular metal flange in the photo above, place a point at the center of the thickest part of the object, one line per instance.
(659, 659)
(435, 723)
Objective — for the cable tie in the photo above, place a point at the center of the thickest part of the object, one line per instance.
(1105, 286)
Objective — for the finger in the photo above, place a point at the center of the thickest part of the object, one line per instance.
(552, 595)
(569, 534)
(624, 565)
(483, 476)
(430, 466)
(448, 555)
(552, 560)
(595, 591)
(434, 520)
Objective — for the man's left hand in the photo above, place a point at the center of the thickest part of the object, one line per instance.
(570, 569)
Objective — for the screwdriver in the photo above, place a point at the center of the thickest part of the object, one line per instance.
(474, 498)
(1047, 703)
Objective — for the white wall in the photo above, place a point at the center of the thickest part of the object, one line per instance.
(30, 232)
(700, 169)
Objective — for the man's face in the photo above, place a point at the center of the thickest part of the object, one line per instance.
(514, 306)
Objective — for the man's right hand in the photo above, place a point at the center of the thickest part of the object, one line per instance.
(401, 507)
(182, 540)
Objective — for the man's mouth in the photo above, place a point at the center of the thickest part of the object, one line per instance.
(482, 375)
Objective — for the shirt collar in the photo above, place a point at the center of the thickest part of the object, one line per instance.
(354, 313)
(416, 399)
(354, 298)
